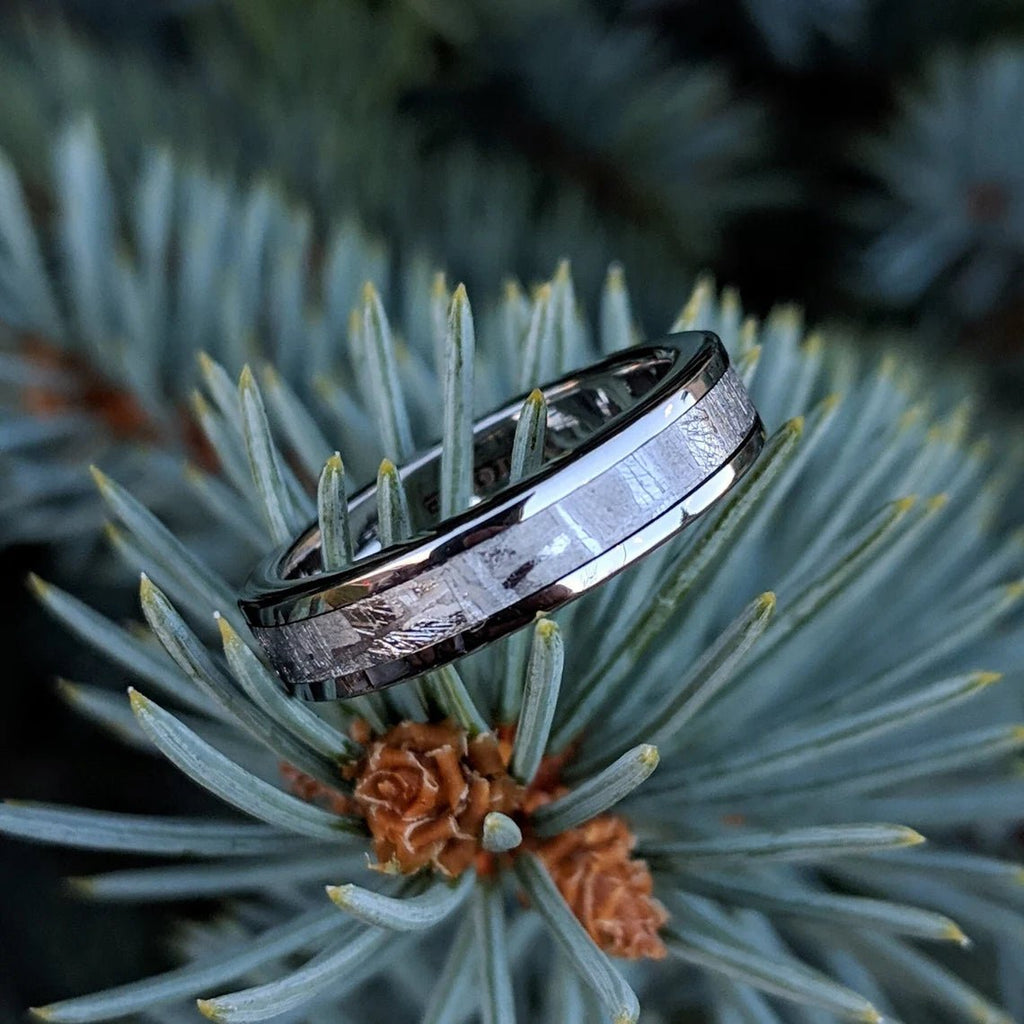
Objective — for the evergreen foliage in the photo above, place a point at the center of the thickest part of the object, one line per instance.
(195, 296)
(950, 169)
(789, 725)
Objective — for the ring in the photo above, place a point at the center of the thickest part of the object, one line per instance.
(637, 446)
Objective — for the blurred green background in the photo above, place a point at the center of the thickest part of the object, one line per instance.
(862, 158)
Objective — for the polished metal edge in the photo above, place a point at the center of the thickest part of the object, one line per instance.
(535, 562)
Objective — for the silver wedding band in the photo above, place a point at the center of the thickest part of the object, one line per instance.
(637, 446)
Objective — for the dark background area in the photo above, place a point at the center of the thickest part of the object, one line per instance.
(53, 944)
(690, 136)
(764, 179)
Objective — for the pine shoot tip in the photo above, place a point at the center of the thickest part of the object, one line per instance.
(338, 894)
(227, 632)
(547, 629)
(208, 1008)
(37, 585)
(66, 689)
(138, 701)
(980, 680)
(813, 344)
(648, 756)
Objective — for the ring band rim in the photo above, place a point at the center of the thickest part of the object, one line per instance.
(271, 603)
